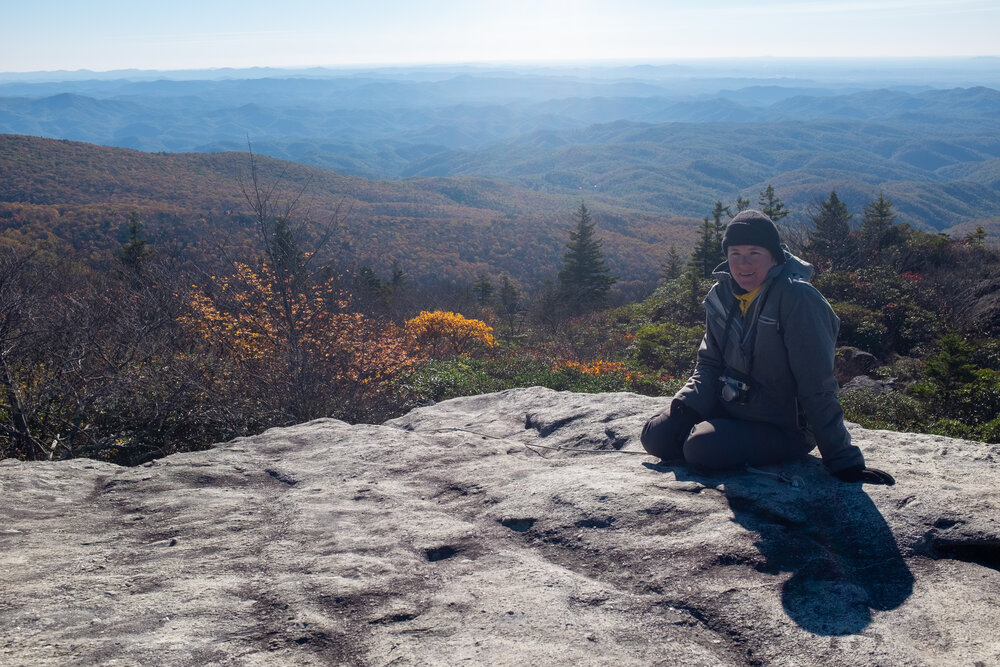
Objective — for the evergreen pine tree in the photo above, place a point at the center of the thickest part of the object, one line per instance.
(951, 366)
(877, 231)
(831, 240)
(771, 205)
(977, 239)
(673, 266)
(370, 281)
(399, 278)
(483, 290)
(692, 277)
(284, 255)
(509, 303)
(707, 252)
(584, 280)
(720, 215)
(135, 253)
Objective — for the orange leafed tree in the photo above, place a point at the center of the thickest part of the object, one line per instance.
(302, 347)
(443, 334)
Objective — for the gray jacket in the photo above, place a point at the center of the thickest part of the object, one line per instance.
(783, 348)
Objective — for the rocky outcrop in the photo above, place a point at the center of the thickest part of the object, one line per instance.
(524, 527)
(872, 386)
(851, 362)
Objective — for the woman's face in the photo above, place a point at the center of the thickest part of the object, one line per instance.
(749, 265)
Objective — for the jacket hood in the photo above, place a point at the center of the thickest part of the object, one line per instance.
(793, 268)
(796, 267)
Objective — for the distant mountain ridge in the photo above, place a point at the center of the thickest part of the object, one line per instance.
(642, 139)
(938, 177)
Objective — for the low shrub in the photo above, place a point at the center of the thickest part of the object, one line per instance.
(861, 328)
(438, 380)
(891, 411)
(668, 348)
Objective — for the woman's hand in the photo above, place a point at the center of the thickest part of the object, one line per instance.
(864, 475)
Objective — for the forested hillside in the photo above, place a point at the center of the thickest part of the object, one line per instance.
(940, 175)
(75, 196)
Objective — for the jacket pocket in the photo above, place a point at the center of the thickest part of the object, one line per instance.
(766, 321)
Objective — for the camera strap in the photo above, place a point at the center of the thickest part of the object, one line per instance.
(756, 310)
(729, 328)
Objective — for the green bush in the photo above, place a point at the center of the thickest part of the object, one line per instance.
(837, 285)
(989, 432)
(440, 380)
(893, 411)
(668, 348)
(978, 401)
(986, 353)
(653, 385)
(951, 428)
(861, 328)
(903, 370)
(678, 300)
(878, 301)
(970, 411)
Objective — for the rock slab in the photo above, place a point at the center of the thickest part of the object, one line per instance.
(523, 527)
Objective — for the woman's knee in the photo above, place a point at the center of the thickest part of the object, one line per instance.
(708, 448)
(663, 436)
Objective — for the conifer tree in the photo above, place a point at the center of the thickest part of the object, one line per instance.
(692, 278)
(135, 253)
(399, 278)
(707, 252)
(831, 240)
(584, 280)
(509, 303)
(977, 238)
(483, 290)
(720, 215)
(771, 205)
(673, 266)
(370, 282)
(877, 231)
(509, 295)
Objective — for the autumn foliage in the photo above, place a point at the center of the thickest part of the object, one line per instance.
(302, 346)
(598, 367)
(443, 334)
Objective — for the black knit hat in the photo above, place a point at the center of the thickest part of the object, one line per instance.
(752, 227)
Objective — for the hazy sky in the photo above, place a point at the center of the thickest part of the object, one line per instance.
(102, 35)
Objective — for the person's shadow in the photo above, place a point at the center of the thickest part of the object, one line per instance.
(843, 558)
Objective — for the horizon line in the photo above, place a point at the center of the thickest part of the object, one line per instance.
(515, 63)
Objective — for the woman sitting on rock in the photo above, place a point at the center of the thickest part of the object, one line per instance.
(763, 390)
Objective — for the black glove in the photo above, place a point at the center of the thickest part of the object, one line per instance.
(686, 417)
(864, 475)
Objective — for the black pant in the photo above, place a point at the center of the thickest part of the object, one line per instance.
(721, 443)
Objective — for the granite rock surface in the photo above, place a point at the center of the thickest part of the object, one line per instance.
(524, 527)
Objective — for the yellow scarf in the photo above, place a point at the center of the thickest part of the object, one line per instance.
(746, 299)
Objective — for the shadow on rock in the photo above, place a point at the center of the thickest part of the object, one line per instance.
(844, 560)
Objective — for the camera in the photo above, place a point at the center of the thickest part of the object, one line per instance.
(734, 390)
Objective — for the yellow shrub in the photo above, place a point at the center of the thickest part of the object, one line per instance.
(442, 333)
